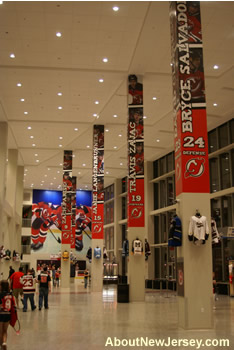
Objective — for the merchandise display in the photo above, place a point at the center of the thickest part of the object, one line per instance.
(214, 232)
(125, 250)
(198, 229)
(97, 253)
(175, 232)
(137, 247)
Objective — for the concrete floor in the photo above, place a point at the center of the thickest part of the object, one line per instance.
(78, 319)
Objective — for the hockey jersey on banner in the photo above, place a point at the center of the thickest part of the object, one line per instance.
(97, 253)
(198, 229)
(137, 247)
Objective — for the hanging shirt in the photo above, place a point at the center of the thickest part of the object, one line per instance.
(198, 230)
(97, 253)
(137, 247)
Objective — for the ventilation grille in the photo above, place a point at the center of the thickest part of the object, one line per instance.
(27, 196)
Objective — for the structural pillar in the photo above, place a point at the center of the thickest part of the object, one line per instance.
(194, 257)
(135, 199)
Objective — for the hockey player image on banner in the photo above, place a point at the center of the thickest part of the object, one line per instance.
(67, 181)
(135, 90)
(83, 225)
(136, 117)
(99, 133)
(67, 161)
(139, 157)
(194, 22)
(45, 218)
(100, 162)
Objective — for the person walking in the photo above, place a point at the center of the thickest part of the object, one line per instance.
(86, 276)
(11, 271)
(29, 290)
(6, 303)
(16, 285)
(44, 288)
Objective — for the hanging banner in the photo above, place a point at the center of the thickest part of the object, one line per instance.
(136, 211)
(67, 198)
(98, 182)
(190, 125)
(73, 213)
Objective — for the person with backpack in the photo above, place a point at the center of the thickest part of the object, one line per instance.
(44, 288)
(7, 301)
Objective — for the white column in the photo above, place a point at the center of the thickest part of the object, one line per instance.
(65, 267)
(97, 267)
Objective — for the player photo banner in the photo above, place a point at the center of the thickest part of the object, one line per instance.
(98, 182)
(73, 204)
(190, 125)
(136, 211)
(67, 198)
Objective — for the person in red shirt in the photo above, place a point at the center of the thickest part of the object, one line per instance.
(16, 285)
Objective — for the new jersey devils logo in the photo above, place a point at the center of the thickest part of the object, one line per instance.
(136, 213)
(194, 167)
(97, 228)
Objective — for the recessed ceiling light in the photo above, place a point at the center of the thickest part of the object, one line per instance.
(60, 164)
(105, 59)
(216, 67)
(25, 174)
(12, 55)
(25, 112)
(86, 186)
(115, 147)
(29, 127)
(45, 175)
(59, 93)
(58, 172)
(96, 102)
(41, 184)
(31, 137)
(115, 116)
(37, 160)
(144, 117)
(94, 115)
(58, 34)
(48, 169)
(26, 169)
(33, 145)
(60, 145)
(115, 8)
(32, 185)
(76, 129)
(54, 178)
(154, 98)
(120, 163)
(60, 107)
(35, 154)
(79, 173)
(42, 181)
(22, 100)
(19, 84)
(51, 183)
(101, 80)
(73, 156)
(215, 104)
(158, 140)
(120, 135)
(88, 146)
(60, 137)
(171, 64)
(107, 130)
(107, 172)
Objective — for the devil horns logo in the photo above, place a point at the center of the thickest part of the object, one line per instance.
(194, 167)
(97, 228)
(136, 213)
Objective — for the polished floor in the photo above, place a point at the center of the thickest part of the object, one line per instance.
(78, 319)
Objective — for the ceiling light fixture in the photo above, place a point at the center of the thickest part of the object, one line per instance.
(107, 172)
(88, 146)
(25, 112)
(59, 93)
(37, 160)
(60, 145)
(48, 169)
(35, 154)
(31, 137)
(101, 80)
(19, 84)
(105, 60)
(58, 34)
(154, 98)
(60, 107)
(158, 140)
(60, 137)
(29, 128)
(120, 163)
(96, 102)
(84, 164)
(12, 55)
(76, 129)
(115, 116)
(115, 147)
(33, 145)
(115, 8)
(144, 117)
(107, 130)
(216, 66)
(22, 99)
(94, 115)
(215, 104)
(120, 135)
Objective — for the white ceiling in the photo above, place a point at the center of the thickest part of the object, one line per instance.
(136, 39)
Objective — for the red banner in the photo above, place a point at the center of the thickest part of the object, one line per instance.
(136, 211)
(98, 182)
(67, 197)
(190, 126)
(73, 217)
